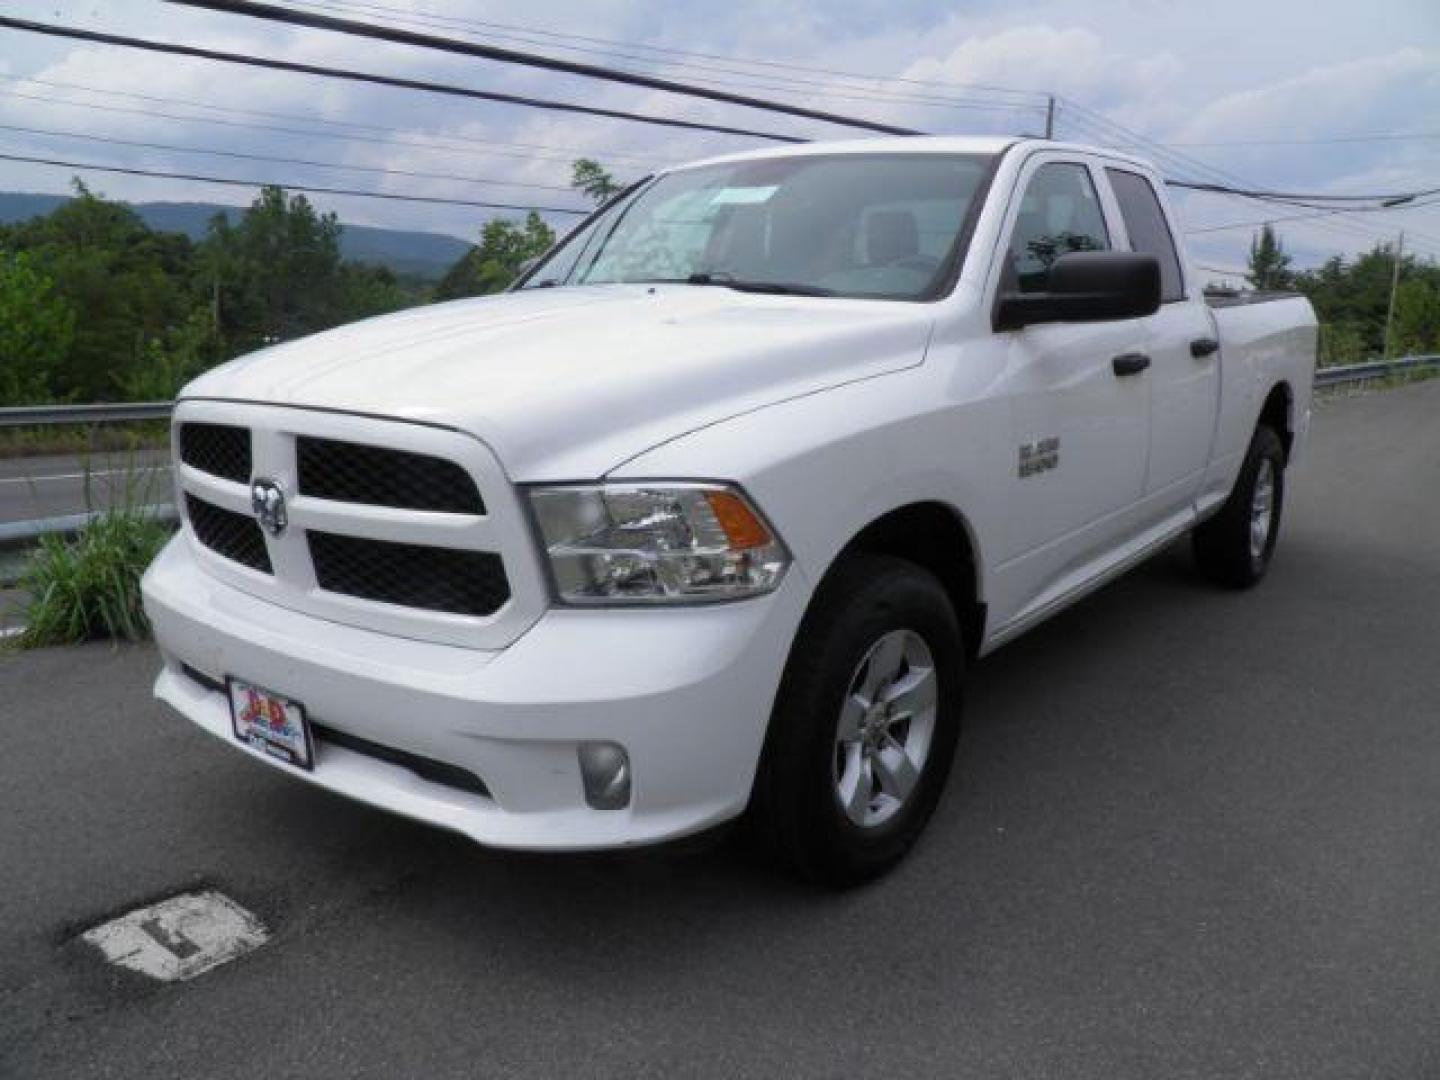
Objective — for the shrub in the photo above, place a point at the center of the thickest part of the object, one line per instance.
(89, 586)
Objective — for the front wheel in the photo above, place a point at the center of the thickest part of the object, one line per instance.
(865, 724)
(1235, 546)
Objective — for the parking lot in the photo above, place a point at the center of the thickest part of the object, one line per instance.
(1190, 833)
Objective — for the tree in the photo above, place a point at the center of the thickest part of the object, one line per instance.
(503, 250)
(367, 290)
(593, 179)
(1269, 265)
(278, 270)
(1417, 318)
(126, 283)
(37, 327)
(1357, 294)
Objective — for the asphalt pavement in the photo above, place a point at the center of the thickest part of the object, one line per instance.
(1190, 833)
(56, 485)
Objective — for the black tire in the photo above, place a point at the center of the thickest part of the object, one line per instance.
(1222, 546)
(795, 806)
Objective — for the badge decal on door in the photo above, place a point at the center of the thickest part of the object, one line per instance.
(1039, 456)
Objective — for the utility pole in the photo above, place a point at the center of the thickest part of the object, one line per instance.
(1050, 116)
(1394, 284)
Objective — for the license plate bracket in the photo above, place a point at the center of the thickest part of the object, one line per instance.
(271, 723)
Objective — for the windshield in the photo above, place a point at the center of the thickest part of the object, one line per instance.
(884, 226)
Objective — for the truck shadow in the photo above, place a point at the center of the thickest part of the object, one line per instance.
(1085, 789)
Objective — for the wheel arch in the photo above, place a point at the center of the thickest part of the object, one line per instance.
(937, 537)
(1278, 413)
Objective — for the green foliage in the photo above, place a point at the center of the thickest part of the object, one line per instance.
(1352, 299)
(151, 309)
(36, 330)
(166, 364)
(278, 270)
(367, 290)
(1416, 329)
(1341, 343)
(504, 249)
(1269, 265)
(593, 179)
(125, 283)
(89, 587)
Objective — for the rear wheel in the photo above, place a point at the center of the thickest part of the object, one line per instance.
(1235, 546)
(865, 725)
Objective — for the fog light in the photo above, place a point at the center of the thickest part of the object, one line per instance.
(605, 768)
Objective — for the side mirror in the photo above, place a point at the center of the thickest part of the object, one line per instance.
(1087, 286)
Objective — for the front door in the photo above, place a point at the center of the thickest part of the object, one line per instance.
(1080, 432)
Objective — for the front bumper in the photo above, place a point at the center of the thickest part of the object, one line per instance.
(686, 691)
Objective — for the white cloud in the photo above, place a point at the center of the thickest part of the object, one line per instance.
(1195, 73)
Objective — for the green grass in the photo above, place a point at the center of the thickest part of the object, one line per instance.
(88, 586)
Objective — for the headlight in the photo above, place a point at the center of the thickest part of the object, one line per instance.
(656, 543)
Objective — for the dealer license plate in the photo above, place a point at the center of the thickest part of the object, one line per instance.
(268, 722)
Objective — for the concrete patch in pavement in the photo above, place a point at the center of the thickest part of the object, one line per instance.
(180, 937)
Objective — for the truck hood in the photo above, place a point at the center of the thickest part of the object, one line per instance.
(569, 383)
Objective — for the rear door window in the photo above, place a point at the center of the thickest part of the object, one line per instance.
(1149, 233)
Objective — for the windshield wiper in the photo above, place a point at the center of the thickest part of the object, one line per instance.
(779, 288)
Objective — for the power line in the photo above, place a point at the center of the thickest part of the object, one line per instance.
(1296, 217)
(1314, 142)
(1110, 131)
(386, 80)
(555, 40)
(402, 139)
(282, 160)
(309, 188)
(785, 84)
(289, 16)
(568, 152)
(249, 60)
(1299, 199)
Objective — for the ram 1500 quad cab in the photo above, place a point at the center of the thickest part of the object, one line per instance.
(708, 515)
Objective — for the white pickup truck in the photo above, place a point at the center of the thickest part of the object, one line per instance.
(706, 518)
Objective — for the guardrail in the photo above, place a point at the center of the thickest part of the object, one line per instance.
(1376, 369)
(27, 532)
(55, 415)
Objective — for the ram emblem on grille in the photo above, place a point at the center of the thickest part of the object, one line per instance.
(267, 500)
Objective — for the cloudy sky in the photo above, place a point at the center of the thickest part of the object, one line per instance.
(1315, 96)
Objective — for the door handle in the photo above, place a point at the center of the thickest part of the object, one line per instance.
(1130, 363)
(1203, 347)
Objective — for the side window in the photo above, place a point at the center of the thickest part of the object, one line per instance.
(1059, 213)
(1149, 234)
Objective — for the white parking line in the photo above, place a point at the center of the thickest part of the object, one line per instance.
(181, 937)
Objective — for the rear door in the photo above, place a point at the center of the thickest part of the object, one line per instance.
(1184, 376)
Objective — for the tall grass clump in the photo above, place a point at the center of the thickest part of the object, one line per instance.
(87, 586)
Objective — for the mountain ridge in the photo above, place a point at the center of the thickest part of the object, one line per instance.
(421, 254)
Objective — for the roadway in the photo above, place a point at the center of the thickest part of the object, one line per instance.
(1190, 833)
(60, 484)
